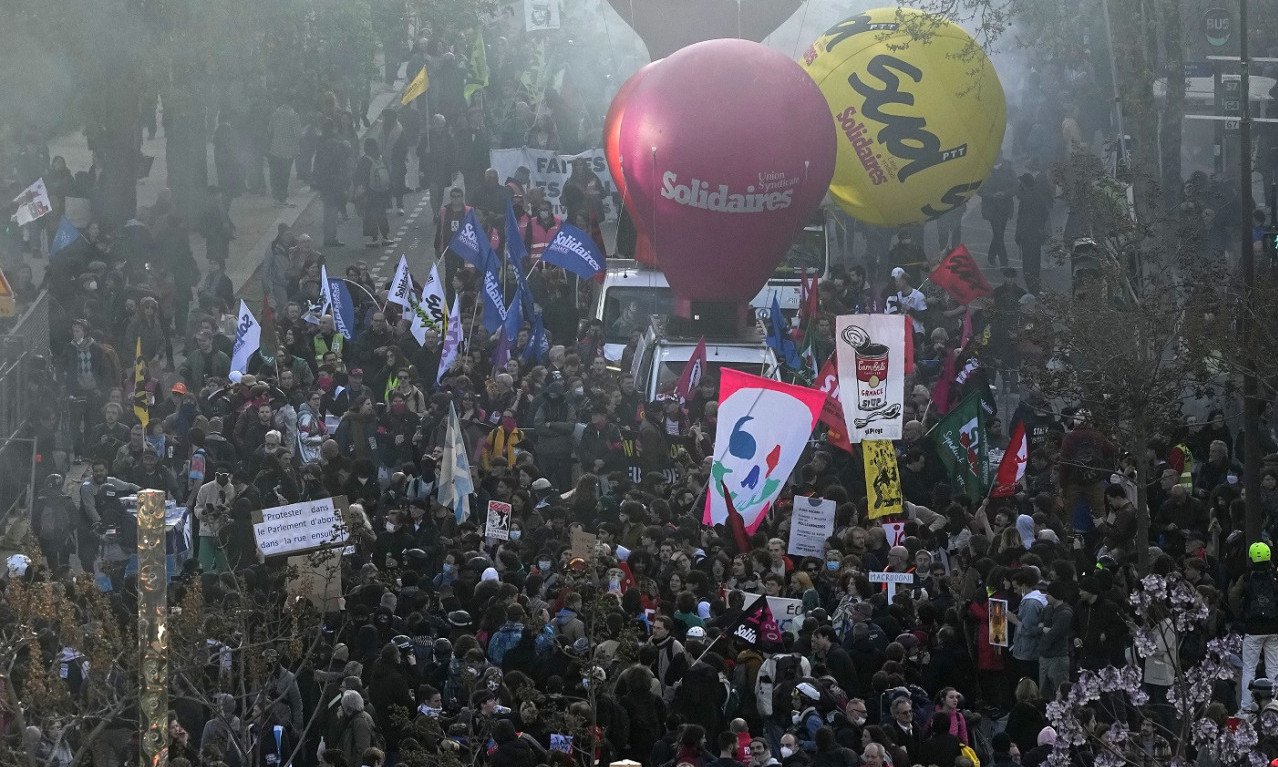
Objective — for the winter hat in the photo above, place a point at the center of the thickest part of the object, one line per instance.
(341, 653)
(808, 689)
(541, 484)
(490, 574)
(1046, 736)
(353, 702)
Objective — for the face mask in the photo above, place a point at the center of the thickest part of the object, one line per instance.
(426, 710)
(326, 382)
(493, 684)
(448, 568)
(578, 391)
(508, 424)
(543, 566)
(786, 752)
(832, 566)
(398, 408)
(858, 721)
(516, 534)
(390, 527)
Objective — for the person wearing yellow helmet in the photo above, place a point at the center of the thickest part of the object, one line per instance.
(1257, 598)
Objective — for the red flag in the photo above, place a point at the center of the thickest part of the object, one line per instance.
(959, 275)
(736, 523)
(809, 298)
(1012, 468)
(832, 412)
(692, 372)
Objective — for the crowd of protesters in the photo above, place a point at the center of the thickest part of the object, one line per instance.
(523, 652)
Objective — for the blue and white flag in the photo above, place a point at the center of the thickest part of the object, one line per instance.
(471, 242)
(455, 485)
(335, 299)
(343, 308)
(248, 338)
(451, 347)
(574, 250)
(779, 338)
(494, 298)
(66, 235)
(517, 254)
(538, 344)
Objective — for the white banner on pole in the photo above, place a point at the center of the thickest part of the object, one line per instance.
(871, 353)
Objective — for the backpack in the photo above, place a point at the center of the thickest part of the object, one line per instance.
(379, 176)
(967, 751)
(786, 674)
(1262, 601)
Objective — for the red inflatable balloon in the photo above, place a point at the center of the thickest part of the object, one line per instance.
(727, 150)
(612, 151)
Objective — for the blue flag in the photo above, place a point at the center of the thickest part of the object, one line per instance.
(64, 237)
(517, 254)
(779, 338)
(343, 307)
(515, 314)
(471, 242)
(538, 345)
(575, 251)
(494, 299)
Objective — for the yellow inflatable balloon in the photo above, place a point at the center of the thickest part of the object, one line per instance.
(919, 109)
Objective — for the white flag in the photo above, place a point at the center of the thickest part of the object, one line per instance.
(248, 337)
(452, 339)
(455, 485)
(432, 310)
(401, 289)
(326, 294)
(32, 203)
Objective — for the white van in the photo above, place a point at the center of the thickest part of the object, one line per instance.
(659, 362)
(632, 294)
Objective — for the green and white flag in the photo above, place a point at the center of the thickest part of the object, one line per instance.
(962, 446)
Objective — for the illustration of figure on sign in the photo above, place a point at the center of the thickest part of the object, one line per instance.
(887, 487)
(872, 364)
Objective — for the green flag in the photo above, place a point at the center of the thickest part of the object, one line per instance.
(477, 71)
(962, 446)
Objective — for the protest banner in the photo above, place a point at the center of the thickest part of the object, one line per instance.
(550, 170)
(300, 527)
(871, 356)
(882, 478)
(998, 622)
(891, 579)
(811, 523)
(895, 532)
(498, 524)
(582, 545)
(788, 613)
(32, 203)
(541, 15)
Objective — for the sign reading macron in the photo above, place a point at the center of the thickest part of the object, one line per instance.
(301, 527)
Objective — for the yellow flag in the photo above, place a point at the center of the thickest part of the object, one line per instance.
(141, 398)
(416, 88)
(882, 480)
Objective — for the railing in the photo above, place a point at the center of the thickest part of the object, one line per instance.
(26, 380)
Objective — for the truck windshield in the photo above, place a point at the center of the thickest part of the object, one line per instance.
(807, 254)
(670, 371)
(628, 309)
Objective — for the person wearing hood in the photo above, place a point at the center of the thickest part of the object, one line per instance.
(1026, 530)
(513, 749)
(700, 697)
(555, 424)
(1037, 756)
(1027, 619)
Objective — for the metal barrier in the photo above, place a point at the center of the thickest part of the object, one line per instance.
(25, 381)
